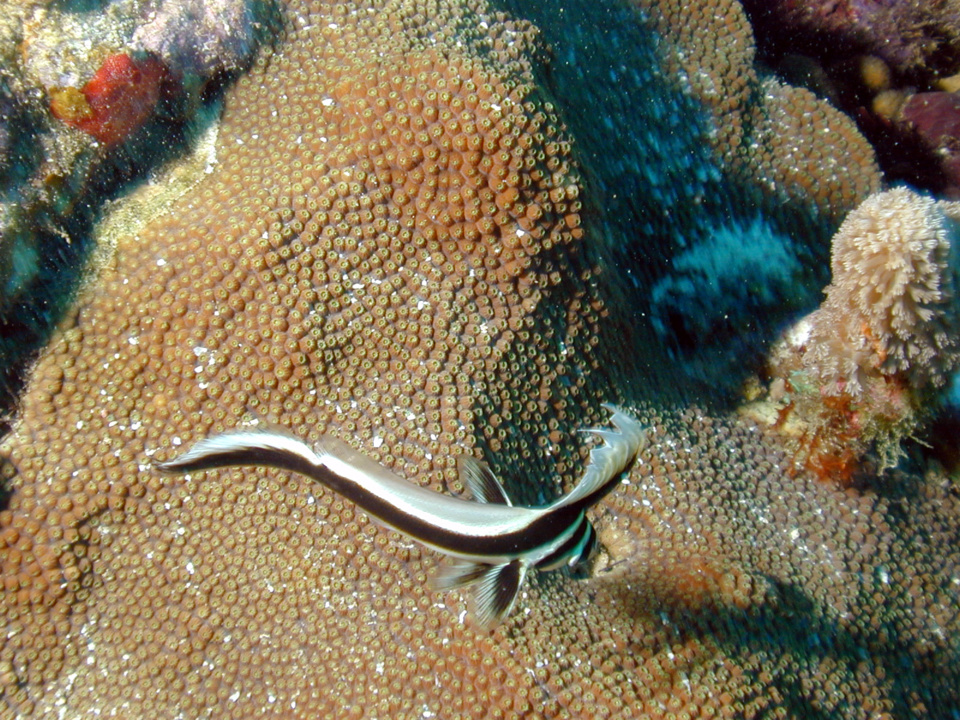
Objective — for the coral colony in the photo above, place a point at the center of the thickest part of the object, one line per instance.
(440, 234)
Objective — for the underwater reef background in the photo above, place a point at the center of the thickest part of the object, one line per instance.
(433, 228)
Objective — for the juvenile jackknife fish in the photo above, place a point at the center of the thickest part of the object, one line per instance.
(490, 543)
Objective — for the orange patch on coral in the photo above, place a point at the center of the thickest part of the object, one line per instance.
(115, 102)
(697, 582)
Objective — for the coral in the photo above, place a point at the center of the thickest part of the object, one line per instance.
(863, 365)
(909, 35)
(742, 154)
(892, 308)
(372, 285)
(789, 130)
(774, 133)
(70, 65)
(401, 244)
(868, 58)
(115, 102)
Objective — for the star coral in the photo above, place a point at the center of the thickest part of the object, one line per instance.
(772, 132)
(315, 278)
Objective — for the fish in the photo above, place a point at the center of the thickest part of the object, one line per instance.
(490, 544)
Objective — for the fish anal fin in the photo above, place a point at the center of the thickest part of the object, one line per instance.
(484, 486)
(495, 593)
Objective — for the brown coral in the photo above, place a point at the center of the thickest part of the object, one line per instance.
(380, 239)
(783, 138)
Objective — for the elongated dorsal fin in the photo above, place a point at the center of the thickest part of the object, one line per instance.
(494, 588)
(607, 461)
(480, 480)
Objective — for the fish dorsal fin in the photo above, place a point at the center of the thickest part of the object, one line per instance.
(607, 461)
(477, 476)
(494, 588)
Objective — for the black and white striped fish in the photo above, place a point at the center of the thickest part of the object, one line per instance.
(490, 543)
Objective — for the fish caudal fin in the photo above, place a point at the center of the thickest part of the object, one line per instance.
(494, 588)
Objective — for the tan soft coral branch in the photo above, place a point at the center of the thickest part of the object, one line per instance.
(863, 367)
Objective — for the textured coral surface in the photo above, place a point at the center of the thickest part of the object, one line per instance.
(392, 248)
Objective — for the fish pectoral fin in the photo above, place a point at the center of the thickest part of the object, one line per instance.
(494, 594)
(482, 483)
(494, 588)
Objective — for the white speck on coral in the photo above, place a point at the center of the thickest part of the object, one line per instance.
(328, 102)
(161, 262)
